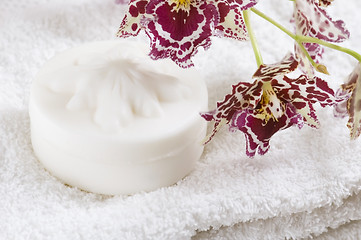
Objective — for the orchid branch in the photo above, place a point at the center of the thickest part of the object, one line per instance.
(289, 33)
(300, 39)
(252, 38)
(329, 45)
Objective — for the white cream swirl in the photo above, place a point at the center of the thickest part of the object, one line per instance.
(116, 86)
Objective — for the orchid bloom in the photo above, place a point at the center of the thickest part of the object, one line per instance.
(352, 106)
(271, 103)
(311, 20)
(177, 28)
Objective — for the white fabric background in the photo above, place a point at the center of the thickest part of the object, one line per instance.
(306, 186)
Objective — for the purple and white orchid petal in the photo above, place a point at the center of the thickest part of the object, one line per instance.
(352, 89)
(313, 21)
(267, 72)
(176, 31)
(231, 23)
(314, 90)
(258, 133)
(304, 64)
(131, 24)
(307, 111)
(303, 92)
(314, 50)
(240, 4)
(324, 3)
(340, 109)
(243, 96)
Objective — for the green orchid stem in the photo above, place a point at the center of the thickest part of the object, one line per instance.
(252, 37)
(289, 33)
(330, 45)
(305, 39)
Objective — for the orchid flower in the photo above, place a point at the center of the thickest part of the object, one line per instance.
(271, 103)
(352, 106)
(313, 21)
(177, 28)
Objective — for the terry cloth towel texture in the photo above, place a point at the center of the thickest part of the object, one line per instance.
(307, 186)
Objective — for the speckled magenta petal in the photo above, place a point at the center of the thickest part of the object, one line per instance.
(324, 3)
(352, 89)
(258, 133)
(313, 21)
(314, 90)
(267, 72)
(240, 4)
(243, 96)
(303, 92)
(314, 50)
(177, 33)
(231, 23)
(131, 24)
(340, 109)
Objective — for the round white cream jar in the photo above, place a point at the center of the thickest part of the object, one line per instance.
(108, 119)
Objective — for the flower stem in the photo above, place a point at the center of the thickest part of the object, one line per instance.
(252, 37)
(306, 39)
(289, 33)
(329, 45)
(285, 30)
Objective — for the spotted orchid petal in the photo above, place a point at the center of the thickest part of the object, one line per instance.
(313, 21)
(257, 132)
(243, 96)
(314, 50)
(177, 31)
(240, 4)
(352, 106)
(231, 23)
(340, 109)
(303, 92)
(268, 72)
(176, 28)
(324, 3)
(131, 24)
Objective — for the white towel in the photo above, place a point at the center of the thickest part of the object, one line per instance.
(307, 185)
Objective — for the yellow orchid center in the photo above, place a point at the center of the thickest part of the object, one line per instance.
(270, 105)
(184, 4)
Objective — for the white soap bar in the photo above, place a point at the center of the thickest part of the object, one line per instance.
(108, 119)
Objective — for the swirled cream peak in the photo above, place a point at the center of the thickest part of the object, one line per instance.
(116, 87)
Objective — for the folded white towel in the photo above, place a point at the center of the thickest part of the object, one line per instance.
(317, 223)
(308, 183)
(348, 231)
